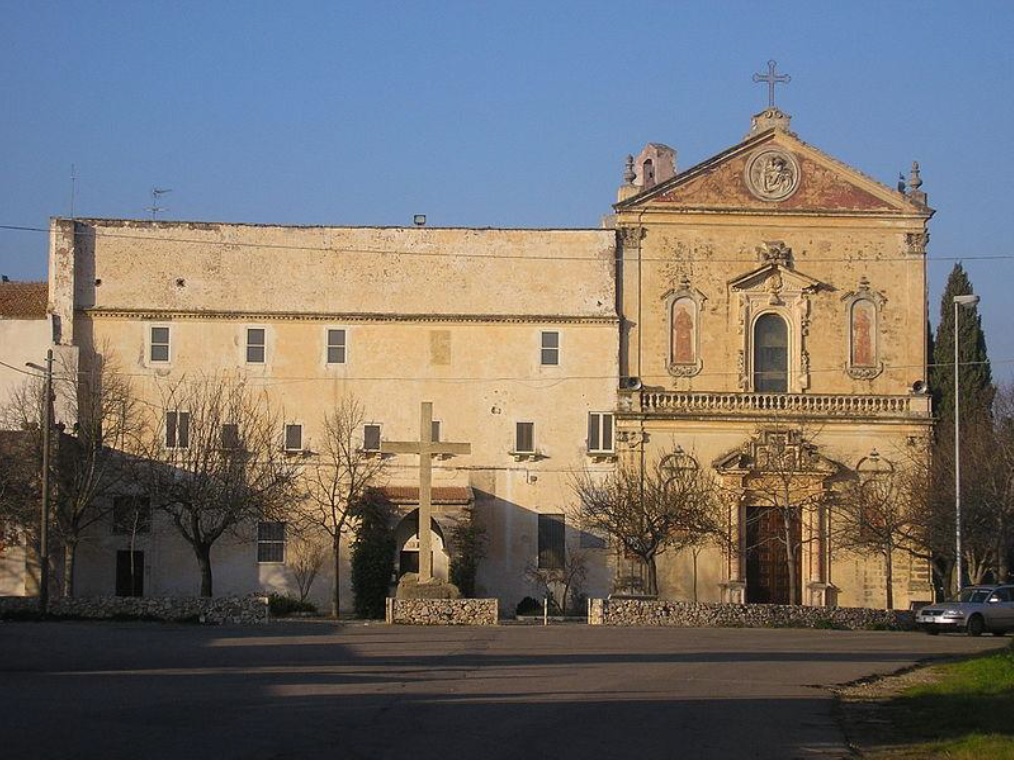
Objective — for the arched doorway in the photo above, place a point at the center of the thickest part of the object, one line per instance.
(406, 538)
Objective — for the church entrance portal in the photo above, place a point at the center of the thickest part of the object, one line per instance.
(767, 575)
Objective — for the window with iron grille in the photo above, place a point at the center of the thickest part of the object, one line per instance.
(550, 347)
(524, 437)
(335, 346)
(371, 437)
(158, 344)
(271, 542)
(255, 345)
(293, 437)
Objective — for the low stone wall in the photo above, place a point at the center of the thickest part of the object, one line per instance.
(473, 611)
(655, 613)
(247, 609)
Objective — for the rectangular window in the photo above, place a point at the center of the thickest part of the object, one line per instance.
(551, 540)
(371, 437)
(230, 436)
(271, 542)
(158, 344)
(600, 432)
(524, 439)
(335, 346)
(435, 431)
(293, 437)
(131, 515)
(550, 347)
(177, 429)
(255, 346)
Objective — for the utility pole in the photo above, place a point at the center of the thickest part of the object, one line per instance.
(47, 425)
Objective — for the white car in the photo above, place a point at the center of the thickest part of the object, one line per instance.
(979, 609)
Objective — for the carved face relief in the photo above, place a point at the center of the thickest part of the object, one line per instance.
(772, 174)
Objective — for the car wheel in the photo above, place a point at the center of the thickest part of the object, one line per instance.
(976, 626)
(932, 630)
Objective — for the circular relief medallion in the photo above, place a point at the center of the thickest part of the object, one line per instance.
(772, 174)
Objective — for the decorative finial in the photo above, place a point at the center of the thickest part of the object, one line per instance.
(901, 183)
(628, 174)
(772, 79)
(914, 180)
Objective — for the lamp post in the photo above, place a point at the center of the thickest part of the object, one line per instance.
(969, 301)
(47, 424)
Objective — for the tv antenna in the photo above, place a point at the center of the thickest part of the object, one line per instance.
(73, 189)
(156, 196)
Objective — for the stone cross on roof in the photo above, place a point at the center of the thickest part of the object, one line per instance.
(426, 448)
(772, 79)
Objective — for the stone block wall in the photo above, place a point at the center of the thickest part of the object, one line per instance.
(468, 611)
(249, 609)
(656, 613)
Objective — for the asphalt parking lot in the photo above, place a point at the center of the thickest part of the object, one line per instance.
(329, 690)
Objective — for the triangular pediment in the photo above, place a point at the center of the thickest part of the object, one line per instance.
(790, 281)
(774, 172)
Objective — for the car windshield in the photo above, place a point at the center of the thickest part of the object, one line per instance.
(974, 595)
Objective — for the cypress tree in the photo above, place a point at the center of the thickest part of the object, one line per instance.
(975, 376)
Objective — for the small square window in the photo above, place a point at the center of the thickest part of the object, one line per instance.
(335, 346)
(524, 439)
(371, 437)
(158, 346)
(293, 437)
(271, 542)
(255, 346)
(177, 429)
(600, 432)
(230, 436)
(550, 347)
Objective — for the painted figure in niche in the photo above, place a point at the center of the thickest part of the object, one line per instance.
(683, 332)
(862, 334)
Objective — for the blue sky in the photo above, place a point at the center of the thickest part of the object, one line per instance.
(491, 114)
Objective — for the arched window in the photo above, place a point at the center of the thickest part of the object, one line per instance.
(648, 174)
(770, 354)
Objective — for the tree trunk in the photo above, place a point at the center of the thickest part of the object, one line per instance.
(651, 583)
(889, 574)
(790, 556)
(203, 553)
(69, 559)
(336, 593)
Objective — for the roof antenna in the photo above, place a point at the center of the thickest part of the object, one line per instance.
(73, 189)
(156, 196)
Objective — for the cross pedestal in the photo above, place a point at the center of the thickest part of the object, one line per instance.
(426, 448)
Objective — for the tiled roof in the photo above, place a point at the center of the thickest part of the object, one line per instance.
(23, 301)
(439, 495)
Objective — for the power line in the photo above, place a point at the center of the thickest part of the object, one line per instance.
(461, 254)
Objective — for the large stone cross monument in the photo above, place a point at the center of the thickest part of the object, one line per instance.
(426, 448)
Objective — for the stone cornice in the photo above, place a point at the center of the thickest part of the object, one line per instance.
(340, 317)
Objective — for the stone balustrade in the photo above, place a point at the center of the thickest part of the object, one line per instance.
(764, 404)
(248, 609)
(468, 611)
(659, 613)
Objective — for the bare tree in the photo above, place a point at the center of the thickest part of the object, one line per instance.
(306, 557)
(213, 463)
(337, 480)
(670, 503)
(881, 511)
(562, 582)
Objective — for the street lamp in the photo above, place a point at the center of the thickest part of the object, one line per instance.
(47, 423)
(969, 301)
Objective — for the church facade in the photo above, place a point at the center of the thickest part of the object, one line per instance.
(770, 299)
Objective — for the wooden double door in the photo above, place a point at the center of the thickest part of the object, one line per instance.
(767, 573)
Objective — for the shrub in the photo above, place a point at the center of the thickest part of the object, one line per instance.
(372, 558)
(528, 607)
(282, 605)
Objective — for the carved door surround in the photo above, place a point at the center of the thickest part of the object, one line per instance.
(776, 287)
(773, 459)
